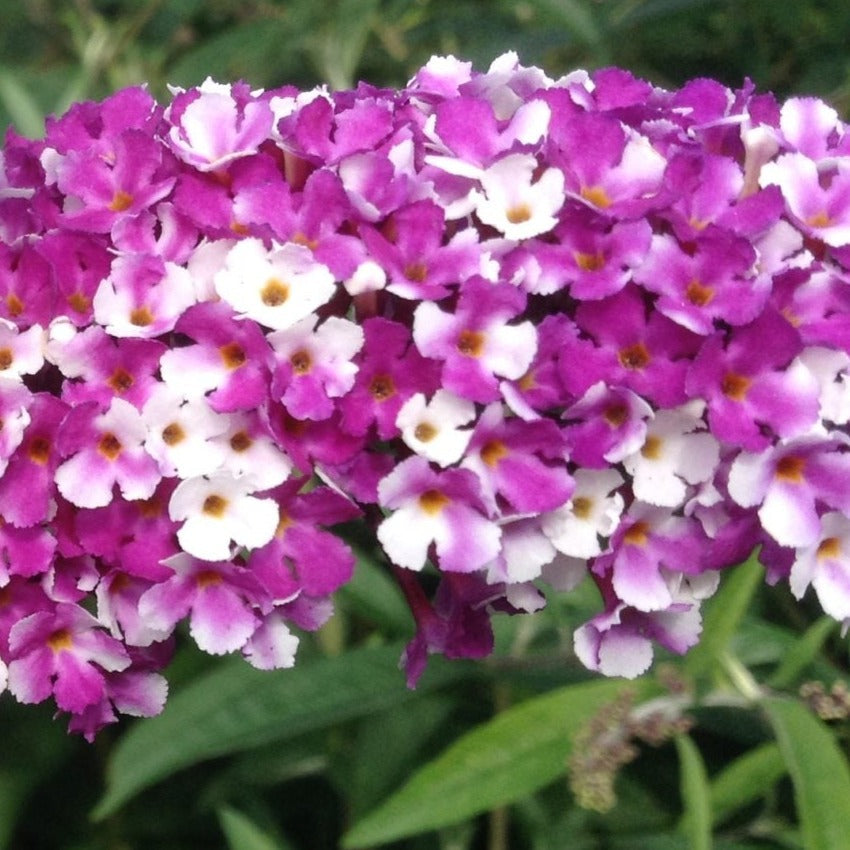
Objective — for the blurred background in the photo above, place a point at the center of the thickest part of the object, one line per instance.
(54, 52)
(299, 780)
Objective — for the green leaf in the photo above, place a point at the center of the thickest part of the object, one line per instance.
(801, 654)
(575, 17)
(261, 51)
(819, 772)
(32, 750)
(236, 707)
(13, 791)
(696, 822)
(243, 834)
(505, 759)
(22, 107)
(723, 614)
(339, 49)
(758, 643)
(390, 745)
(666, 841)
(373, 595)
(745, 780)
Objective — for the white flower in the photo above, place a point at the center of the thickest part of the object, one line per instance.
(20, 352)
(142, 297)
(113, 453)
(831, 369)
(367, 277)
(272, 646)
(180, 433)
(432, 429)
(513, 204)
(315, 364)
(219, 510)
(247, 450)
(825, 564)
(591, 513)
(671, 457)
(276, 288)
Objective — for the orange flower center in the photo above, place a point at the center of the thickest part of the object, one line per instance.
(233, 355)
(518, 214)
(634, 356)
(790, 468)
(173, 434)
(109, 446)
(471, 343)
(582, 506)
(433, 501)
(637, 535)
(214, 506)
(735, 386)
(493, 451)
(425, 432)
(274, 293)
(382, 387)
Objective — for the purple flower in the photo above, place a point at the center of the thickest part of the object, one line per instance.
(789, 483)
(524, 330)
(752, 381)
(475, 343)
(64, 652)
(215, 124)
(520, 464)
(712, 280)
(102, 450)
(390, 371)
(219, 598)
(444, 509)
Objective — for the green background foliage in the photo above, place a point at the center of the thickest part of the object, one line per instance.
(742, 745)
(53, 52)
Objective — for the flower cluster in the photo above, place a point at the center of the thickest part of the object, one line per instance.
(525, 329)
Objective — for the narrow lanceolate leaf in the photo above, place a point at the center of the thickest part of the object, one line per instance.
(22, 107)
(237, 707)
(373, 595)
(501, 761)
(693, 781)
(724, 613)
(746, 780)
(802, 653)
(819, 772)
(243, 834)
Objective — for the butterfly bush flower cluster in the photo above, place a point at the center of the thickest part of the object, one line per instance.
(523, 329)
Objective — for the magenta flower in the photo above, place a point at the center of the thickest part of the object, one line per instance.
(102, 450)
(101, 189)
(230, 359)
(64, 652)
(789, 483)
(390, 371)
(519, 464)
(475, 343)
(712, 280)
(444, 509)
(818, 197)
(142, 297)
(751, 379)
(215, 124)
(314, 366)
(31, 466)
(303, 557)
(644, 351)
(526, 331)
(219, 599)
